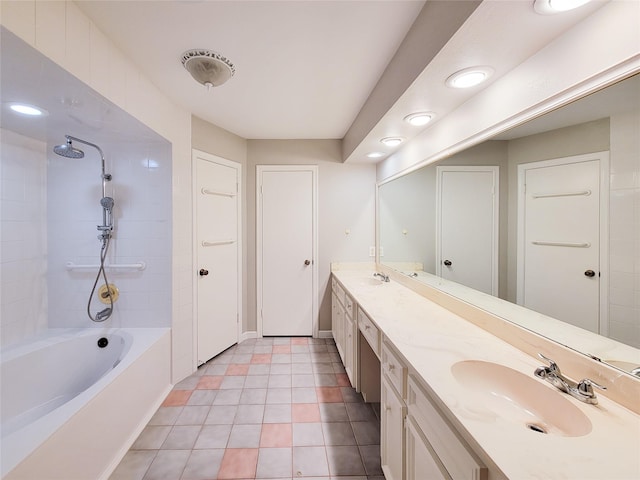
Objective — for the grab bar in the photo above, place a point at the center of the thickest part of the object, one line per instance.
(114, 266)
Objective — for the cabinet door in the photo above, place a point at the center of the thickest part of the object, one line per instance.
(422, 462)
(349, 349)
(392, 414)
(337, 323)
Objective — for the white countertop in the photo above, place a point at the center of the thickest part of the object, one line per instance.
(432, 339)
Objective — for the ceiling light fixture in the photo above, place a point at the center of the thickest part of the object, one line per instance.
(419, 119)
(28, 110)
(392, 141)
(207, 67)
(549, 7)
(469, 77)
(375, 155)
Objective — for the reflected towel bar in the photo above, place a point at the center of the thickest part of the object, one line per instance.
(206, 191)
(563, 244)
(218, 242)
(562, 194)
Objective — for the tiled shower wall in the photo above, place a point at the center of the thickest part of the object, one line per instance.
(141, 188)
(23, 233)
(624, 229)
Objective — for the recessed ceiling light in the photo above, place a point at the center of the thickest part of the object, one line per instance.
(376, 155)
(26, 109)
(548, 7)
(469, 77)
(419, 119)
(392, 141)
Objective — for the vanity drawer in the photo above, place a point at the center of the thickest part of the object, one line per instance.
(457, 458)
(369, 331)
(394, 369)
(348, 304)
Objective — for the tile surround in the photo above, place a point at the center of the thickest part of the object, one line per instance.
(281, 420)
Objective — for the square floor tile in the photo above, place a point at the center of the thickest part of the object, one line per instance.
(360, 412)
(307, 434)
(263, 350)
(367, 433)
(305, 413)
(344, 460)
(193, 415)
(326, 380)
(253, 396)
(167, 464)
(264, 358)
(302, 368)
(227, 397)
(242, 358)
(177, 398)
(182, 437)
(349, 395)
(329, 394)
(310, 461)
(281, 369)
(151, 438)
(303, 381)
(276, 435)
(221, 415)
(232, 382)
(134, 465)
(256, 381)
(278, 395)
(203, 464)
(281, 358)
(237, 369)
(216, 369)
(279, 381)
(245, 436)
(300, 349)
(259, 369)
(299, 341)
(323, 368)
(213, 436)
(333, 412)
(238, 463)
(249, 414)
(304, 395)
(277, 413)
(338, 433)
(209, 382)
(165, 416)
(202, 397)
(278, 349)
(274, 463)
(370, 455)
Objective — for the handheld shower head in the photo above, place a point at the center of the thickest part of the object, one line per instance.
(107, 203)
(68, 150)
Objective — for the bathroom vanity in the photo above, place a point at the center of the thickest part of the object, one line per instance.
(458, 402)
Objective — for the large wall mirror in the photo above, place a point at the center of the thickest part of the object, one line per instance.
(540, 225)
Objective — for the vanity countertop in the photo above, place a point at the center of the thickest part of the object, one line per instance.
(432, 339)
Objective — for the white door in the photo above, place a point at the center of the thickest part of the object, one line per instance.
(217, 236)
(286, 244)
(559, 268)
(467, 231)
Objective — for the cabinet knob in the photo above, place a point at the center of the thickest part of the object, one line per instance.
(590, 273)
(307, 262)
(203, 272)
(447, 263)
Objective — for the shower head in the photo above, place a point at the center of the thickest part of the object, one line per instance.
(107, 203)
(68, 150)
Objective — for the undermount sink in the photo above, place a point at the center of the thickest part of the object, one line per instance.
(518, 398)
(373, 281)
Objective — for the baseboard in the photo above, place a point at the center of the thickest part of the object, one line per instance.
(325, 334)
(247, 336)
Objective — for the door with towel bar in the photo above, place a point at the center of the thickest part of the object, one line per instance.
(559, 237)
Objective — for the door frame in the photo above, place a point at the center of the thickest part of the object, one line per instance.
(195, 155)
(603, 158)
(495, 231)
(260, 169)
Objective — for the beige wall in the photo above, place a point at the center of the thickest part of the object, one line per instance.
(346, 201)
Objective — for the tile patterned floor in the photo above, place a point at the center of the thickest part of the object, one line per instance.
(269, 408)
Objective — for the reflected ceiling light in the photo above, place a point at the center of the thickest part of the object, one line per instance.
(548, 7)
(207, 67)
(392, 141)
(28, 110)
(419, 119)
(469, 77)
(375, 155)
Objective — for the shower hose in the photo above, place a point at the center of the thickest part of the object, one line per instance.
(102, 315)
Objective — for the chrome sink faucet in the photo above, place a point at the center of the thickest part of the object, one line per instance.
(582, 390)
(383, 277)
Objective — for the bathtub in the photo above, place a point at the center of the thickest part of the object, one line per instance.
(71, 408)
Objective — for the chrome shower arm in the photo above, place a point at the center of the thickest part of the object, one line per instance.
(105, 176)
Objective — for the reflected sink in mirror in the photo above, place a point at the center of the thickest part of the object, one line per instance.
(524, 400)
(633, 368)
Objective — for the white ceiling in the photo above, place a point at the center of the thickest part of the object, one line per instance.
(305, 68)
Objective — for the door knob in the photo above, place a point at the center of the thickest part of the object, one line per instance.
(447, 263)
(203, 272)
(307, 262)
(590, 273)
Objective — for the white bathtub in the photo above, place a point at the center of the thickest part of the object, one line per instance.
(69, 408)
